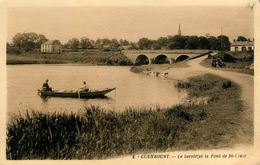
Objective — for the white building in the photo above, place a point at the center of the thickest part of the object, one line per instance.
(242, 46)
(51, 46)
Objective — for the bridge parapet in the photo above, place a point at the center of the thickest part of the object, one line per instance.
(178, 51)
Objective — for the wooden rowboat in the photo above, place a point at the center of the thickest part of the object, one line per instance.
(75, 93)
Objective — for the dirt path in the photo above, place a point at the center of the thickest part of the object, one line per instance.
(245, 81)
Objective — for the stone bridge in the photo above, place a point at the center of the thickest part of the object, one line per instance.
(142, 57)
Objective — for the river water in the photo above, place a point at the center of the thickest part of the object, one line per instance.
(132, 90)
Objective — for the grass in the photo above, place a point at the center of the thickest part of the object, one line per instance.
(101, 134)
(87, 57)
(221, 116)
(95, 135)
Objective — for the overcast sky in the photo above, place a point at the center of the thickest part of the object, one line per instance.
(130, 23)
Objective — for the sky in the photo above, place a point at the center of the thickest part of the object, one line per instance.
(131, 23)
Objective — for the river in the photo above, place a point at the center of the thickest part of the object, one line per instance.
(132, 90)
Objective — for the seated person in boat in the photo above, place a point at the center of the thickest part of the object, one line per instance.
(85, 87)
(46, 87)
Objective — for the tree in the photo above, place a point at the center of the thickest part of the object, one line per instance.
(85, 43)
(98, 43)
(114, 44)
(155, 45)
(105, 41)
(162, 41)
(134, 46)
(101, 43)
(28, 41)
(213, 43)
(73, 43)
(241, 38)
(8, 44)
(177, 42)
(203, 43)
(223, 42)
(123, 42)
(41, 40)
(192, 42)
(145, 43)
(10, 49)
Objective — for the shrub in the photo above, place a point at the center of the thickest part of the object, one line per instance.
(228, 58)
(13, 50)
(226, 85)
(183, 85)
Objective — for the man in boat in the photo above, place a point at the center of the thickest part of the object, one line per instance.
(46, 87)
(85, 87)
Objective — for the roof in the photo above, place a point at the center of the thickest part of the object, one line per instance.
(243, 43)
(50, 42)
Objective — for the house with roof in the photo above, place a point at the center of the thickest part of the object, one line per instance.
(242, 46)
(51, 46)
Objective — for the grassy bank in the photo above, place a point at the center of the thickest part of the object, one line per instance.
(99, 134)
(88, 57)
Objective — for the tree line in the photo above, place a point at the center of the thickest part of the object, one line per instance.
(28, 41)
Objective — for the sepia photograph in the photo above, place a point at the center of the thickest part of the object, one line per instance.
(103, 82)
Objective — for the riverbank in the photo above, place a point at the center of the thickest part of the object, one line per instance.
(100, 134)
(88, 57)
(155, 68)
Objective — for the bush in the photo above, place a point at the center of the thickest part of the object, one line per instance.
(226, 85)
(228, 58)
(13, 50)
(183, 85)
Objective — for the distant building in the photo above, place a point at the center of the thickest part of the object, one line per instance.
(51, 46)
(242, 46)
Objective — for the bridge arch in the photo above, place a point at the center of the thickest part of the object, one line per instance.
(142, 60)
(162, 59)
(182, 58)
